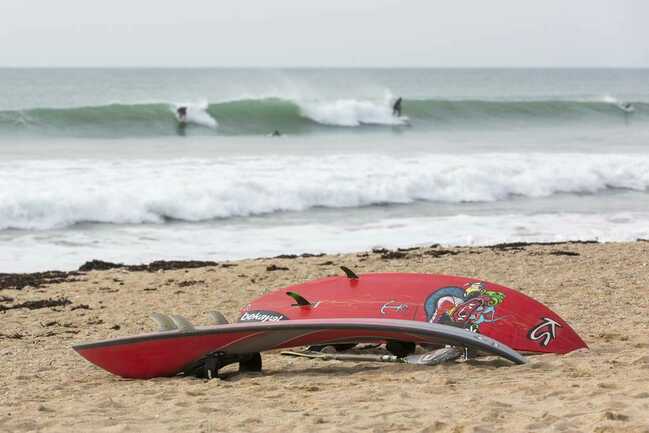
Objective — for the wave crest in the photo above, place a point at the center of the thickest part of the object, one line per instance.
(351, 112)
(261, 116)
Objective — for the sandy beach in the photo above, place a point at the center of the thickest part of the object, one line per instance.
(601, 289)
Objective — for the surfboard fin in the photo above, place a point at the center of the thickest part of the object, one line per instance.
(181, 323)
(217, 318)
(164, 322)
(299, 300)
(350, 274)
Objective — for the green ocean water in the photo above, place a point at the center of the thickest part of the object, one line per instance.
(111, 103)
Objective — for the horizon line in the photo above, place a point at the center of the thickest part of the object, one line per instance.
(306, 67)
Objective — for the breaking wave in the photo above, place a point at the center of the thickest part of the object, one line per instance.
(55, 194)
(260, 116)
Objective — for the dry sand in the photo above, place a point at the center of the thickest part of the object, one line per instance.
(603, 292)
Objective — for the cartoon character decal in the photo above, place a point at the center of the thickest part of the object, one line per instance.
(466, 307)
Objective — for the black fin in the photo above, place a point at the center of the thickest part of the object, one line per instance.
(350, 274)
(300, 301)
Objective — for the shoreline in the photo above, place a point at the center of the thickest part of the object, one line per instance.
(53, 275)
(599, 288)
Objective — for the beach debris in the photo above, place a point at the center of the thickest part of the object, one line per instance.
(81, 307)
(188, 283)
(6, 299)
(38, 304)
(14, 336)
(563, 253)
(389, 254)
(615, 416)
(273, 267)
(56, 323)
(440, 253)
(158, 265)
(36, 279)
(53, 333)
(520, 246)
(99, 265)
(295, 256)
(50, 323)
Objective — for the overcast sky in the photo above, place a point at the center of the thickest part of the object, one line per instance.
(324, 33)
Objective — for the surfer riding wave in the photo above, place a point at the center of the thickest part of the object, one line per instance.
(396, 107)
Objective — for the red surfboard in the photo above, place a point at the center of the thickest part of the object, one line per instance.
(503, 314)
(186, 348)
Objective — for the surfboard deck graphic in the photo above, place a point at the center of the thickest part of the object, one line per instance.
(489, 309)
(167, 353)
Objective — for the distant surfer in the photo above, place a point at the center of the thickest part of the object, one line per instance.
(182, 114)
(276, 133)
(396, 107)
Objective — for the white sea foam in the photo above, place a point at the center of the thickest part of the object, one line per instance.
(197, 113)
(608, 99)
(51, 194)
(351, 112)
(67, 249)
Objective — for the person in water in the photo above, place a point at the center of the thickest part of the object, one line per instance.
(182, 114)
(276, 133)
(396, 107)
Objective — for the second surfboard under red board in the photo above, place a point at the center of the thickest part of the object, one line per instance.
(204, 350)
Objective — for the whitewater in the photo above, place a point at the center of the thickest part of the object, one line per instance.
(479, 156)
(196, 190)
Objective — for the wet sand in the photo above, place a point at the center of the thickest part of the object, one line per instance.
(601, 289)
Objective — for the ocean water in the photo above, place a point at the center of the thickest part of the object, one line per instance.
(93, 163)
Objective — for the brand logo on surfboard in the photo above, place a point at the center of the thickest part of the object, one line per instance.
(392, 305)
(262, 316)
(544, 332)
